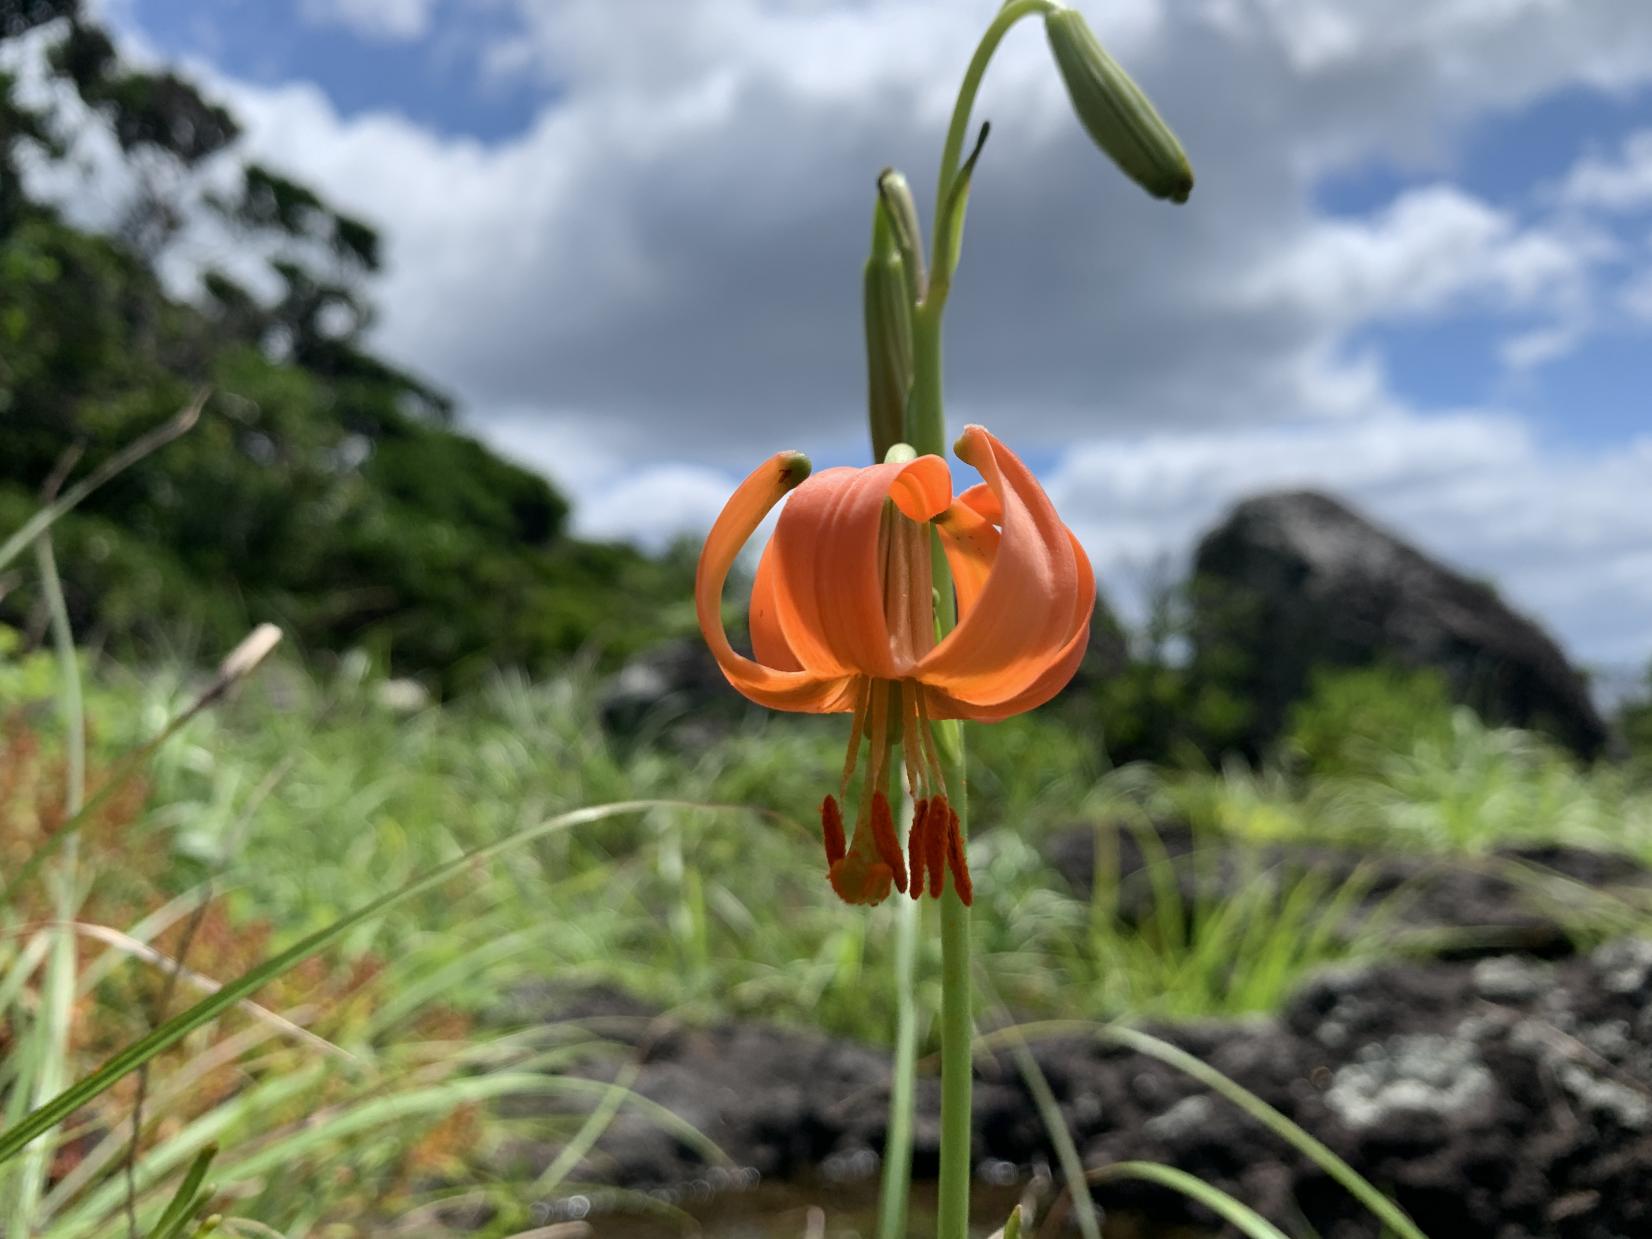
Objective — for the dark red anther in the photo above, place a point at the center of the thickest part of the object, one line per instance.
(831, 826)
(955, 859)
(935, 827)
(915, 846)
(884, 840)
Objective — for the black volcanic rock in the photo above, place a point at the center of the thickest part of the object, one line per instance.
(1291, 582)
(1499, 1098)
(674, 689)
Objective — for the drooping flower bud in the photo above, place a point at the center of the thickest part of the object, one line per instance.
(1120, 119)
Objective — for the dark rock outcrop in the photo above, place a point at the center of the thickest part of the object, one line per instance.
(674, 689)
(1503, 1098)
(1291, 582)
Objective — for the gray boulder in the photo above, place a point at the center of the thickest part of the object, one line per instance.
(1293, 581)
(674, 690)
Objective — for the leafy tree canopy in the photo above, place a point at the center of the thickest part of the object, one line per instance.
(324, 488)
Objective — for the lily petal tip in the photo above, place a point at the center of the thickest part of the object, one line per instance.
(964, 443)
(795, 467)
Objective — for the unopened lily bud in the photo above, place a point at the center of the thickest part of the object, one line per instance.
(887, 293)
(903, 222)
(1114, 111)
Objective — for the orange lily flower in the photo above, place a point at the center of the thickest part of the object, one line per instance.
(843, 621)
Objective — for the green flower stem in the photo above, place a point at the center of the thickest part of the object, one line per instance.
(940, 262)
(926, 431)
(896, 1186)
(957, 1021)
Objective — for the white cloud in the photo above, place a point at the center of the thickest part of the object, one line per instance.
(1529, 349)
(655, 503)
(1636, 296)
(1565, 535)
(676, 240)
(388, 20)
(619, 489)
(1428, 251)
(671, 250)
(1623, 183)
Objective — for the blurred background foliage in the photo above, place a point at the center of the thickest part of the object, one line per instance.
(325, 489)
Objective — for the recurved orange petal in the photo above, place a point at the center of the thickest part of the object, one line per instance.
(777, 688)
(768, 639)
(981, 498)
(1063, 664)
(1038, 593)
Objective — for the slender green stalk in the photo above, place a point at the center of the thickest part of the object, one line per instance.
(893, 280)
(928, 435)
(50, 1033)
(895, 1187)
(70, 697)
(926, 431)
(957, 1033)
(952, 152)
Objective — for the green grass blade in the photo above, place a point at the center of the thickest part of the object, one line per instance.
(122, 460)
(1066, 1152)
(238, 664)
(589, 1132)
(186, 1198)
(14, 1139)
(1049, 1112)
(895, 1186)
(48, 1028)
(1238, 1215)
(1383, 1209)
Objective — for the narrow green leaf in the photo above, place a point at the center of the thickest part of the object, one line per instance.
(1383, 1209)
(1072, 1166)
(950, 224)
(1239, 1215)
(187, 1199)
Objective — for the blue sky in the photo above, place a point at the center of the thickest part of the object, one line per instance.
(1416, 270)
(436, 79)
